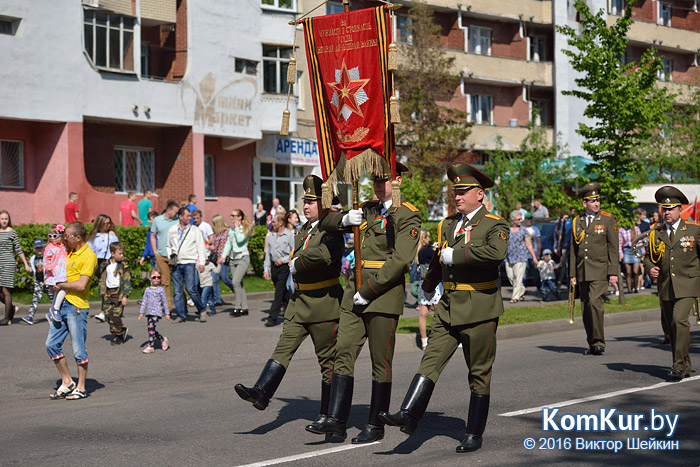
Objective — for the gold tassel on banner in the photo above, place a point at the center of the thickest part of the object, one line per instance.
(292, 71)
(326, 195)
(284, 131)
(393, 57)
(395, 193)
(394, 110)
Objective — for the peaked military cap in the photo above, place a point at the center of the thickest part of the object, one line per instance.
(400, 168)
(590, 191)
(312, 188)
(464, 176)
(669, 197)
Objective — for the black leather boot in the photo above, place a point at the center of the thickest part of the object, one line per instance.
(476, 422)
(341, 400)
(323, 413)
(374, 429)
(413, 407)
(268, 382)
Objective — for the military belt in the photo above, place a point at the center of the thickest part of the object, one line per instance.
(469, 285)
(367, 264)
(317, 285)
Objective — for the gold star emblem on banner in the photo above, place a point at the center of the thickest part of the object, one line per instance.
(347, 90)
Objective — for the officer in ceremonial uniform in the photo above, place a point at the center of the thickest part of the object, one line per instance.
(673, 260)
(389, 239)
(314, 308)
(593, 261)
(473, 243)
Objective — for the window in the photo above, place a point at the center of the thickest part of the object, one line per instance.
(275, 64)
(479, 40)
(332, 8)
(540, 112)
(404, 32)
(145, 55)
(664, 17)
(249, 67)
(280, 4)
(134, 170)
(8, 26)
(11, 164)
(109, 40)
(617, 7)
(666, 70)
(537, 49)
(281, 181)
(209, 187)
(482, 110)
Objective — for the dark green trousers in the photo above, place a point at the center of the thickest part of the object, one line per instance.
(478, 344)
(356, 328)
(592, 301)
(323, 336)
(675, 313)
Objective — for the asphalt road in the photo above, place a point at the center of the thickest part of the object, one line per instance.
(178, 408)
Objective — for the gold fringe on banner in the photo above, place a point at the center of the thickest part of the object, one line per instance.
(292, 71)
(393, 57)
(395, 116)
(284, 131)
(395, 193)
(326, 195)
(367, 161)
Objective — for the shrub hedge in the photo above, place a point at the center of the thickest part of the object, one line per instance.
(134, 240)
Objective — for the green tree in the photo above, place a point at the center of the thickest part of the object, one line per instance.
(536, 171)
(623, 101)
(431, 134)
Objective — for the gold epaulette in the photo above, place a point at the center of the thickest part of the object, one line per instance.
(606, 214)
(691, 223)
(409, 206)
(493, 216)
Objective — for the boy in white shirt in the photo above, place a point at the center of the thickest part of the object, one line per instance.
(547, 276)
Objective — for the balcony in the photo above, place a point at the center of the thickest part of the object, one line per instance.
(533, 11)
(485, 137)
(662, 37)
(503, 71)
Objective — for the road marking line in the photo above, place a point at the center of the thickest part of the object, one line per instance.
(307, 455)
(598, 397)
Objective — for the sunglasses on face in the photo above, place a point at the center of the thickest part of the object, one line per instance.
(55, 235)
(155, 277)
(68, 237)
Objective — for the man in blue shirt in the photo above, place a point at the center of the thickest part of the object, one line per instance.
(192, 199)
(159, 239)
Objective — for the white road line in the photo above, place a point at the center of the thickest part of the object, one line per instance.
(307, 455)
(598, 397)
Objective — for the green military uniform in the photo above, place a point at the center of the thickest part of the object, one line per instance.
(314, 308)
(389, 240)
(467, 312)
(593, 258)
(112, 299)
(675, 250)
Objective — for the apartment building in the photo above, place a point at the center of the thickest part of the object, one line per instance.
(103, 97)
(510, 62)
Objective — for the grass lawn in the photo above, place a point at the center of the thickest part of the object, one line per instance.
(559, 310)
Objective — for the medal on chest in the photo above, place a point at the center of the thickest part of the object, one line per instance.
(599, 229)
(686, 242)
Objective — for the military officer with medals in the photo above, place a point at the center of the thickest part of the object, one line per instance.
(389, 239)
(473, 243)
(314, 308)
(674, 262)
(593, 262)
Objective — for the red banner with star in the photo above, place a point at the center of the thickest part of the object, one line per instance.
(351, 85)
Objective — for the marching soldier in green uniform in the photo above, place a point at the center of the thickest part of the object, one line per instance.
(473, 243)
(389, 239)
(593, 261)
(674, 261)
(314, 308)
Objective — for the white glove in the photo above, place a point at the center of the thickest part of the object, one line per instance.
(446, 255)
(353, 217)
(358, 299)
(292, 269)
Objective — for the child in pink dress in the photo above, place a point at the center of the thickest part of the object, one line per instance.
(55, 267)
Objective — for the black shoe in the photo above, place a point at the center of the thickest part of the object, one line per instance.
(313, 427)
(243, 312)
(665, 341)
(270, 323)
(235, 313)
(116, 340)
(413, 407)
(476, 423)
(341, 400)
(125, 335)
(676, 375)
(374, 429)
(595, 350)
(218, 303)
(369, 434)
(263, 390)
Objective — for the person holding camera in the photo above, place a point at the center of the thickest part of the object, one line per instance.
(186, 255)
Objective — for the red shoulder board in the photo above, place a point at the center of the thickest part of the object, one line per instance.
(409, 206)
(606, 214)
